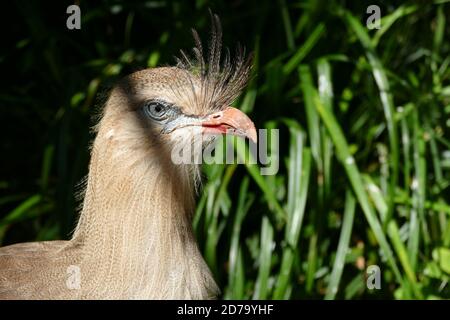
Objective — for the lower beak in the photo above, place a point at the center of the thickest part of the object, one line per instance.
(229, 121)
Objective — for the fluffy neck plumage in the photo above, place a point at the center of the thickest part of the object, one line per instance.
(135, 232)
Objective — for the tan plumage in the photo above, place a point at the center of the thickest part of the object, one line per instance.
(134, 237)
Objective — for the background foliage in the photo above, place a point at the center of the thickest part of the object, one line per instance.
(364, 136)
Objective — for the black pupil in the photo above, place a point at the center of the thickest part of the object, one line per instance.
(158, 108)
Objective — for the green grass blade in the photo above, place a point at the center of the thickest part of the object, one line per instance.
(236, 279)
(344, 240)
(287, 24)
(265, 258)
(388, 20)
(301, 53)
(394, 234)
(22, 210)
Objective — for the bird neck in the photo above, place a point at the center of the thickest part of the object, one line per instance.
(135, 232)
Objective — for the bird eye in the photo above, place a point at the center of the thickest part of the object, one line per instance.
(156, 110)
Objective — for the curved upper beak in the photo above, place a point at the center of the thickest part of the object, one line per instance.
(229, 121)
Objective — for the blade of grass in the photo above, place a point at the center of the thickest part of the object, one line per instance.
(21, 211)
(344, 240)
(326, 95)
(304, 49)
(236, 279)
(299, 159)
(214, 227)
(394, 234)
(287, 24)
(388, 20)
(414, 228)
(315, 141)
(265, 258)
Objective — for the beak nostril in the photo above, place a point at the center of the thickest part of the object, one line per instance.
(216, 116)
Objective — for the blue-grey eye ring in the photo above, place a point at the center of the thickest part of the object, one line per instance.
(156, 110)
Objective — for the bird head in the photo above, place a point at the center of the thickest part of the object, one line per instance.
(191, 99)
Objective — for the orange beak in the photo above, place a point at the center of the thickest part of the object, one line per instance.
(230, 121)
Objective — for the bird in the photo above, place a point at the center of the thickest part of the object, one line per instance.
(134, 237)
